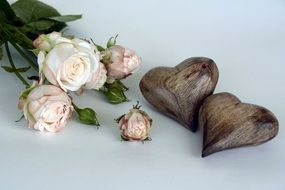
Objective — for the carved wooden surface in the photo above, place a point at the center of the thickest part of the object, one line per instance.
(228, 123)
(179, 91)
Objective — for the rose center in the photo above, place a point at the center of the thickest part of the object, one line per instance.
(54, 113)
(75, 66)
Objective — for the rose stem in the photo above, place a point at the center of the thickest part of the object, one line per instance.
(16, 34)
(75, 107)
(24, 56)
(14, 67)
(19, 49)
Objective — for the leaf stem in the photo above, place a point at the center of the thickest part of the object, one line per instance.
(14, 67)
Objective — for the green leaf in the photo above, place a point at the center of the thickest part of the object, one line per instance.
(86, 115)
(115, 92)
(57, 27)
(125, 139)
(8, 69)
(22, 116)
(100, 48)
(115, 95)
(12, 33)
(118, 84)
(121, 85)
(41, 25)
(7, 10)
(33, 10)
(2, 16)
(65, 18)
(112, 41)
(148, 139)
(11, 70)
(23, 69)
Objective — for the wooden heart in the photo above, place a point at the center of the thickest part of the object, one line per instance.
(229, 123)
(179, 91)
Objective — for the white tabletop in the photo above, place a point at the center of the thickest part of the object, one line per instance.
(247, 41)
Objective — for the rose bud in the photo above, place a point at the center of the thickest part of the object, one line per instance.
(123, 62)
(48, 108)
(86, 115)
(45, 42)
(135, 125)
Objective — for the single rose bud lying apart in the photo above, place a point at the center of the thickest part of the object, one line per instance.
(135, 125)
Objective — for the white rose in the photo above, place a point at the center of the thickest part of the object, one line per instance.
(123, 63)
(70, 64)
(135, 125)
(47, 107)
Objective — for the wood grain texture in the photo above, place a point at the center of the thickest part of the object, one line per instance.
(228, 123)
(179, 91)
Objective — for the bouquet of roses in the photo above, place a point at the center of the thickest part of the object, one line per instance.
(61, 64)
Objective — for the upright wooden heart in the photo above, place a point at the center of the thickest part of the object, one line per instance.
(228, 123)
(179, 91)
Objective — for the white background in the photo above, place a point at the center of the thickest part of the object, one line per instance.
(247, 41)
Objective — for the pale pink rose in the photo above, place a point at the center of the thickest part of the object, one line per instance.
(48, 108)
(70, 64)
(135, 125)
(123, 63)
(98, 78)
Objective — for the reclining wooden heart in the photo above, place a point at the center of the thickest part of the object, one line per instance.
(228, 123)
(179, 91)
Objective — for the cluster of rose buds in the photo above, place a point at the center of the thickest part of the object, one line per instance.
(73, 64)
